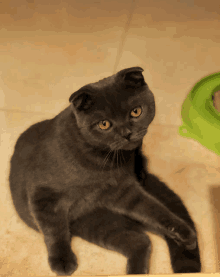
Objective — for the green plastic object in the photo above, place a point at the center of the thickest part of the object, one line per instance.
(201, 121)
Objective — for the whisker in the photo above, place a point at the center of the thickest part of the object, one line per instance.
(119, 154)
(123, 157)
(115, 144)
(106, 159)
(117, 160)
(140, 133)
(112, 164)
(119, 157)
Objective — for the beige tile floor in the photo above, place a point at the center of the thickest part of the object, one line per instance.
(49, 50)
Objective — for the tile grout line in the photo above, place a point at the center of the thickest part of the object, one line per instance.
(123, 37)
(22, 111)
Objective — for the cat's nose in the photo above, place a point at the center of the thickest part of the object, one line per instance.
(126, 133)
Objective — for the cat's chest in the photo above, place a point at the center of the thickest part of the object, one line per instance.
(108, 177)
(93, 177)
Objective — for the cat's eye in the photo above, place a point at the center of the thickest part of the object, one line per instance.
(136, 112)
(104, 125)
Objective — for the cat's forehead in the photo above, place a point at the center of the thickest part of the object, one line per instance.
(104, 83)
(119, 103)
(110, 92)
(111, 89)
(128, 77)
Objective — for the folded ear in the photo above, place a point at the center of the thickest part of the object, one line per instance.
(133, 77)
(81, 99)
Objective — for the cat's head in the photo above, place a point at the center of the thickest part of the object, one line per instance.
(115, 112)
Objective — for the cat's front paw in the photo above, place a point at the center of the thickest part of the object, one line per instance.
(183, 235)
(63, 265)
(187, 266)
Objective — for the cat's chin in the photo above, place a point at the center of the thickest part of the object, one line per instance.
(132, 145)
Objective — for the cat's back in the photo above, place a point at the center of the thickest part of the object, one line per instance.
(33, 135)
(24, 155)
(41, 149)
(27, 148)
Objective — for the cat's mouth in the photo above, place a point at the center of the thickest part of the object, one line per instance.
(134, 143)
(130, 145)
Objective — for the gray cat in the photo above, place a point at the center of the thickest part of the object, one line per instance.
(82, 174)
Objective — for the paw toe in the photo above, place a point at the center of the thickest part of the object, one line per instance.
(63, 265)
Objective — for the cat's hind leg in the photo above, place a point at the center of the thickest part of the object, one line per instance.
(118, 233)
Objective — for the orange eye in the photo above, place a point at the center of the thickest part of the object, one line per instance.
(136, 112)
(104, 124)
